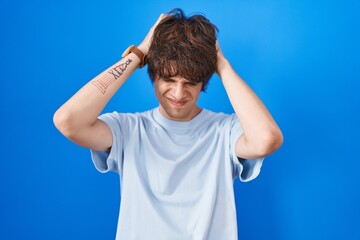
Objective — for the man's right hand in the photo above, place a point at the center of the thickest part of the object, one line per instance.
(145, 44)
(77, 119)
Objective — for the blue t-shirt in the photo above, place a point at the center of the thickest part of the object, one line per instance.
(176, 178)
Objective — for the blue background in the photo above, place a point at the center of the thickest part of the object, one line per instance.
(300, 57)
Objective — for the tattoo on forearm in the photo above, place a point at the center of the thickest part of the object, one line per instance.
(115, 72)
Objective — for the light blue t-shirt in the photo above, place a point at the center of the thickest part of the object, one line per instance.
(176, 178)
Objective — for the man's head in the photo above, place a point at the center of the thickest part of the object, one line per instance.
(183, 47)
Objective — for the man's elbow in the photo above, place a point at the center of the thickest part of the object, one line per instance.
(62, 121)
(270, 142)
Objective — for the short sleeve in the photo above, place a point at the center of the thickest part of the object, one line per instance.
(112, 159)
(245, 169)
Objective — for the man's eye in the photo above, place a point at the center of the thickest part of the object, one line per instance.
(168, 80)
(192, 83)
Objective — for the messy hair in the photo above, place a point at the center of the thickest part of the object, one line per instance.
(183, 46)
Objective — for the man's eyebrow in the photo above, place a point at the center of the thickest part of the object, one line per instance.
(171, 79)
(168, 79)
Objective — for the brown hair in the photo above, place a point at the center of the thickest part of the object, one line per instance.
(183, 46)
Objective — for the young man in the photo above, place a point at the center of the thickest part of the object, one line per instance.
(177, 162)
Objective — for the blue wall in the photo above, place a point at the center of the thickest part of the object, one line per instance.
(300, 57)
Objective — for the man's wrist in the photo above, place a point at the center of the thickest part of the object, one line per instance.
(143, 48)
(137, 52)
(222, 64)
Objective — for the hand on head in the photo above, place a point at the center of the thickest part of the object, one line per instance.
(145, 44)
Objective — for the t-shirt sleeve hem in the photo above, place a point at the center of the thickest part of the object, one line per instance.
(105, 161)
(246, 169)
(250, 169)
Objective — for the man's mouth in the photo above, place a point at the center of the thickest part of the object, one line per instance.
(177, 103)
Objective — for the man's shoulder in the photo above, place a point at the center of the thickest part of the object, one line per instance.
(142, 114)
(216, 116)
(214, 120)
(128, 116)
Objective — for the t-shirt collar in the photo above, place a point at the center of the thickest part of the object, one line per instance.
(193, 123)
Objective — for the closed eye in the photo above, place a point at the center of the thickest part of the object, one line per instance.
(192, 83)
(187, 83)
(168, 80)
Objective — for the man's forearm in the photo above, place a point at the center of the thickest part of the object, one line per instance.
(82, 109)
(261, 132)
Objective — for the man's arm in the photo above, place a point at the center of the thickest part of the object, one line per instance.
(262, 135)
(77, 119)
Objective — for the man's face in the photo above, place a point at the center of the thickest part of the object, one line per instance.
(177, 97)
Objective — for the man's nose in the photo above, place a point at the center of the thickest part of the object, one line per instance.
(178, 91)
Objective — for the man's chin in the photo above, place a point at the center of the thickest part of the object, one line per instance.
(177, 114)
